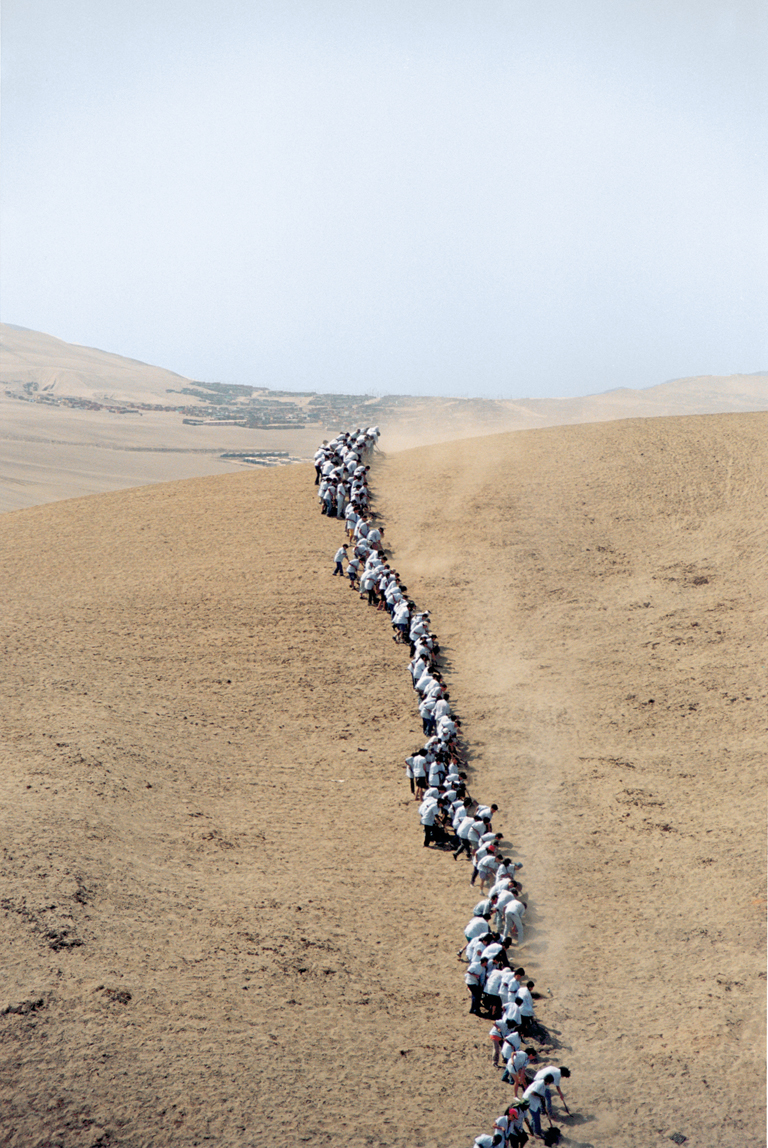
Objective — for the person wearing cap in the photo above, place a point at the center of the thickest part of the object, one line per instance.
(516, 1111)
(338, 557)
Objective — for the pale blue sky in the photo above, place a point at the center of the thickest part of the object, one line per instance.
(489, 197)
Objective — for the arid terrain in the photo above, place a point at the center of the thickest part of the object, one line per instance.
(75, 420)
(219, 923)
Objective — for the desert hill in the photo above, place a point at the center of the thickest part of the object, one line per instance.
(76, 420)
(219, 923)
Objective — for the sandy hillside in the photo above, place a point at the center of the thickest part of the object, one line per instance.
(219, 922)
(76, 420)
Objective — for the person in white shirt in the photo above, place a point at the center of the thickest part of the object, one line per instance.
(492, 988)
(367, 586)
(353, 567)
(462, 834)
(339, 557)
(534, 1094)
(350, 518)
(556, 1074)
(486, 869)
(512, 1042)
(477, 926)
(524, 994)
(476, 830)
(512, 1012)
(517, 1066)
(498, 1035)
(474, 979)
(429, 809)
(443, 707)
(426, 713)
(483, 907)
(513, 919)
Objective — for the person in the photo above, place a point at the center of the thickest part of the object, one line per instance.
(429, 810)
(513, 919)
(518, 1063)
(474, 979)
(338, 558)
(477, 926)
(492, 997)
(517, 1137)
(526, 1008)
(462, 836)
(352, 568)
(534, 1094)
(556, 1074)
(419, 767)
(498, 1035)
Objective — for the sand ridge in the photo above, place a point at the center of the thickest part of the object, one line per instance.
(205, 807)
(50, 450)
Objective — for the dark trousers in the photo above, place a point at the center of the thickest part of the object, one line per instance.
(477, 996)
(494, 1006)
(463, 844)
(428, 834)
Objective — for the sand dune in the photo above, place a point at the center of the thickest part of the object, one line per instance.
(50, 449)
(218, 919)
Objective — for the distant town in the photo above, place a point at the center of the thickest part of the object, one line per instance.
(230, 404)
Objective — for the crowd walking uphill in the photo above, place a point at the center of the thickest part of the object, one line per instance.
(452, 820)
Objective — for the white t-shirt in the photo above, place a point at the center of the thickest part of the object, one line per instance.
(476, 928)
(464, 828)
(511, 1045)
(475, 974)
(418, 762)
(492, 951)
(430, 813)
(524, 994)
(514, 908)
(534, 1094)
(503, 898)
(550, 1070)
(475, 948)
(493, 983)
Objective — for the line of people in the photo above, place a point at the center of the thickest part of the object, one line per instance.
(451, 819)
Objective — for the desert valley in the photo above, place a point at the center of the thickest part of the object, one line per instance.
(219, 923)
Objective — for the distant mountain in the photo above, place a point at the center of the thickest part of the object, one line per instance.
(42, 365)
